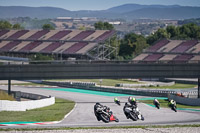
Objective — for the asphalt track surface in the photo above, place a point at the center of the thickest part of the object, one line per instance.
(83, 113)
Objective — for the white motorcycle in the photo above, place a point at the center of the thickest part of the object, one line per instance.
(132, 113)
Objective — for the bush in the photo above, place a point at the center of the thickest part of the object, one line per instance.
(5, 96)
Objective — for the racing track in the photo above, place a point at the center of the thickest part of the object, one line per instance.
(83, 116)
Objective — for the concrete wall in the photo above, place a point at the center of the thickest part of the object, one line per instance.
(186, 101)
(98, 71)
(6, 105)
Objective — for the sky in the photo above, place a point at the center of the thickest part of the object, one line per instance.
(74, 5)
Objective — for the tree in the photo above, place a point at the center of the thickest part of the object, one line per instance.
(99, 25)
(82, 28)
(17, 27)
(5, 25)
(159, 34)
(48, 27)
(103, 26)
(172, 31)
(132, 45)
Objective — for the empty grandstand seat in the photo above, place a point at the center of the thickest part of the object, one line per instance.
(194, 49)
(38, 35)
(183, 58)
(153, 57)
(30, 46)
(158, 45)
(18, 34)
(50, 48)
(60, 35)
(104, 36)
(168, 57)
(2, 32)
(76, 47)
(140, 57)
(9, 46)
(82, 35)
(184, 46)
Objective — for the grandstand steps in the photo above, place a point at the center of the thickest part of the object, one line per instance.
(65, 42)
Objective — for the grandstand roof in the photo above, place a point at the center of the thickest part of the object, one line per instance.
(171, 50)
(51, 41)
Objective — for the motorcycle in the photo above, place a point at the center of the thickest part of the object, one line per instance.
(157, 104)
(132, 113)
(104, 113)
(173, 107)
(117, 101)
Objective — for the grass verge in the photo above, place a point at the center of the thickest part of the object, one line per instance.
(176, 86)
(54, 112)
(113, 82)
(5, 96)
(113, 127)
(164, 103)
(105, 82)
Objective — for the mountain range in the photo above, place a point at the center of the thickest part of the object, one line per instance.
(127, 12)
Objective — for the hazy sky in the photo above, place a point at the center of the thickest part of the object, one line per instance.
(93, 4)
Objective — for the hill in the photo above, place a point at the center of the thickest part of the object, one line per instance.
(128, 12)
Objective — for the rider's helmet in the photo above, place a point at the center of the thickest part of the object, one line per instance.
(97, 103)
(115, 99)
(172, 101)
(131, 100)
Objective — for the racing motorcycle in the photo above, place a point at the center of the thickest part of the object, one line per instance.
(104, 113)
(157, 104)
(132, 112)
(173, 107)
(117, 101)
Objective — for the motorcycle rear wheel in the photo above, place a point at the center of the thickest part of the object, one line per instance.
(133, 116)
(105, 118)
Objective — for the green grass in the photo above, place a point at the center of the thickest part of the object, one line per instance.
(113, 82)
(54, 112)
(164, 103)
(105, 82)
(176, 86)
(5, 96)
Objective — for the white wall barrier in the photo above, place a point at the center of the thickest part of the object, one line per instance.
(6, 105)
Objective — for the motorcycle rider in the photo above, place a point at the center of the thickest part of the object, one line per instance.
(131, 104)
(172, 103)
(98, 108)
(117, 101)
(155, 101)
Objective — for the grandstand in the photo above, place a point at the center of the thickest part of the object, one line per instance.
(171, 51)
(65, 43)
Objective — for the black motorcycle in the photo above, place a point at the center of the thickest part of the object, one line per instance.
(104, 113)
(173, 107)
(157, 104)
(132, 112)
